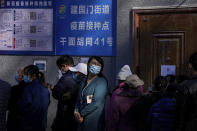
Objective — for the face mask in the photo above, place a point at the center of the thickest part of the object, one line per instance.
(63, 72)
(59, 74)
(27, 79)
(16, 77)
(63, 69)
(94, 69)
(74, 76)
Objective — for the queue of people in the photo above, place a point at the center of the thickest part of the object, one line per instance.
(81, 92)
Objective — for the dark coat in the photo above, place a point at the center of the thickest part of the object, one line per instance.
(120, 114)
(90, 104)
(187, 106)
(33, 107)
(64, 119)
(162, 115)
(141, 109)
(109, 107)
(4, 96)
(15, 96)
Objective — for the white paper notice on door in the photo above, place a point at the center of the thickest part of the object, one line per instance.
(168, 70)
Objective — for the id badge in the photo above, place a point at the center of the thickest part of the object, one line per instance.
(89, 99)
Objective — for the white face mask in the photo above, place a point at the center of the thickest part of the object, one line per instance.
(63, 72)
(59, 74)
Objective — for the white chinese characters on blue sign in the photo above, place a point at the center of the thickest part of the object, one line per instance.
(86, 27)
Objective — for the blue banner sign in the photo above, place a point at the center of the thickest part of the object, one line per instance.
(86, 27)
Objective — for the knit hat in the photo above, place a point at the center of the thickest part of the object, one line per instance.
(80, 67)
(124, 72)
(134, 81)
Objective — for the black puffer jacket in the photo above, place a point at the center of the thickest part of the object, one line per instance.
(187, 106)
(64, 119)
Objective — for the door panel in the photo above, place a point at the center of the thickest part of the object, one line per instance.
(163, 37)
(168, 50)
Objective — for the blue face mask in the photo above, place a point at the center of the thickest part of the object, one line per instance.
(16, 77)
(63, 72)
(94, 69)
(74, 76)
(59, 74)
(27, 79)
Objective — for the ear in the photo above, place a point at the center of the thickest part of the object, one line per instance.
(33, 77)
(190, 66)
(67, 67)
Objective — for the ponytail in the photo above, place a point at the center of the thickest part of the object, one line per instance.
(41, 78)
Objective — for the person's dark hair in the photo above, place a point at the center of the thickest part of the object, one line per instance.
(100, 60)
(171, 90)
(65, 59)
(170, 78)
(80, 78)
(34, 70)
(181, 78)
(160, 83)
(193, 60)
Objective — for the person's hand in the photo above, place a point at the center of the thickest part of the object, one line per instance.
(51, 87)
(78, 117)
(67, 96)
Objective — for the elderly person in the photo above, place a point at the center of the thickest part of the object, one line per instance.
(142, 106)
(69, 98)
(16, 94)
(121, 116)
(79, 71)
(34, 102)
(124, 72)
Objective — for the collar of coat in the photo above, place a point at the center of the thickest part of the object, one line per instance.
(129, 93)
(193, 77)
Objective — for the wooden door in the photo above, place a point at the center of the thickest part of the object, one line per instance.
(163, 38)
